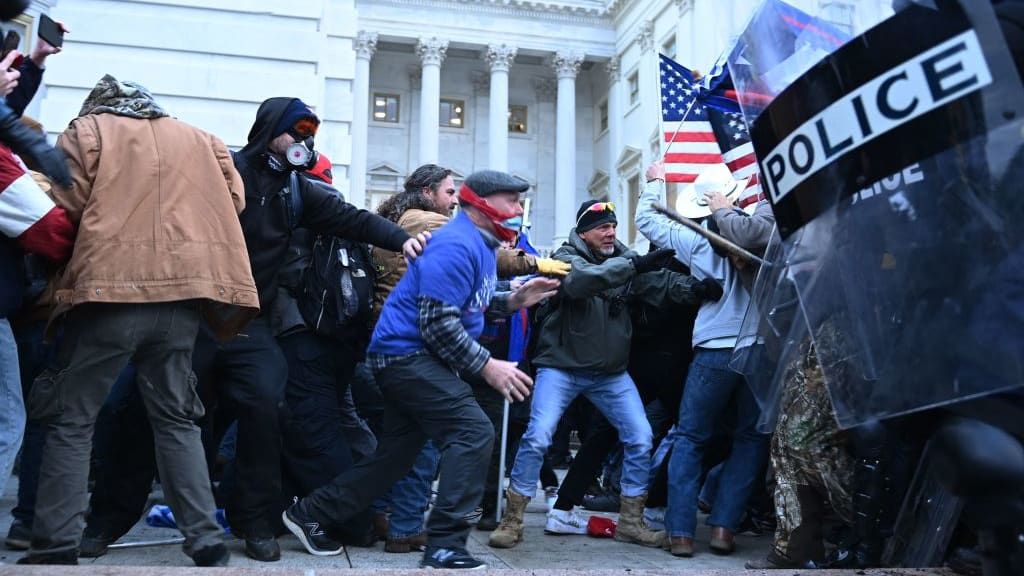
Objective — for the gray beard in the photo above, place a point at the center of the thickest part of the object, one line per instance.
(606, 252)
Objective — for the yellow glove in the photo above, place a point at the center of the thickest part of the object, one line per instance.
(552, 267)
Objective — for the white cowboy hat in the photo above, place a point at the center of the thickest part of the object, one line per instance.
(691, 201)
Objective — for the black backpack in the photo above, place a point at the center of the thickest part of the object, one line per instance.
(336, 285)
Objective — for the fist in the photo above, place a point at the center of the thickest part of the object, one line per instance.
(656, 171)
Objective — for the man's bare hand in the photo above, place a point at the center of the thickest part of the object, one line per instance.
(507, 379)
(43, 48)
(656, 171)
(414, 246)
(534, 291)
(9, 77)
(716, 200)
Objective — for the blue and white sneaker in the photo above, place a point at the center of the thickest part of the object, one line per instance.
(450, 559)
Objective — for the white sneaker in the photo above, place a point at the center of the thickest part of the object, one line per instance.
(655, 518)
(550, 496)
(565, 522)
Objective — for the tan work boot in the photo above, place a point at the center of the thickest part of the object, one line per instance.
(631, 526)
(510, 530)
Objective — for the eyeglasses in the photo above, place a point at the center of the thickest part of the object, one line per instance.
(304, 128)
(598, 207)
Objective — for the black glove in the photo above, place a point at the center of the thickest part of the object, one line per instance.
(708, 289)
(33, 146)
(654, 260)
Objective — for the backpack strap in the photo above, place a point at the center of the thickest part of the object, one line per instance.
(294, 198)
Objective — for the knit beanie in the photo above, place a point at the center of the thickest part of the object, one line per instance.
(296, 110)
(587, 219)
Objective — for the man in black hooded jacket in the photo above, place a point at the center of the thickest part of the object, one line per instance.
(250, 371)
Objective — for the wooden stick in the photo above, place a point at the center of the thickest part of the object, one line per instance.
(715, 239)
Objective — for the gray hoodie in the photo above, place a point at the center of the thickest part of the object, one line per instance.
(718, 323)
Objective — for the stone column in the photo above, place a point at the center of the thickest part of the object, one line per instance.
(543, 208)
(499, 58)
(650, 100)
(615, 191)
(431, 52)
(684, 52)
(365, 45)
(567, 65)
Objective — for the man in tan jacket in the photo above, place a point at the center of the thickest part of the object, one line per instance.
(159, 247)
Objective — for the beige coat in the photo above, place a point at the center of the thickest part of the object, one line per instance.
(156, 203)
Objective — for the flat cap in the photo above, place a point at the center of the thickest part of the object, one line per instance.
(487, 182)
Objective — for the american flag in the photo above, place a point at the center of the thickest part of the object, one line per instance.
(702, 126)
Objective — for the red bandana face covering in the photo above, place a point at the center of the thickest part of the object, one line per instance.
(497, 218)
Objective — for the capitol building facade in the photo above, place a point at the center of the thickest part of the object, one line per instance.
(561, 93)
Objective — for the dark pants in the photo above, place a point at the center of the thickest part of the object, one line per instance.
(33, 356)
(248, 372)
(423, 399)
(99, 340)
(316, 447)
(126, 462)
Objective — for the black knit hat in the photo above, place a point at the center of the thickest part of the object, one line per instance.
(588, 217)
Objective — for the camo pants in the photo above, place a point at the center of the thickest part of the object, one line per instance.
(812, 464)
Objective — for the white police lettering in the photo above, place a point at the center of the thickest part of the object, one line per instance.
(927, 81)
(908, 175)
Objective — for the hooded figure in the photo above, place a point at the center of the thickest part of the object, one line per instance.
(270, 209)
(252, 372)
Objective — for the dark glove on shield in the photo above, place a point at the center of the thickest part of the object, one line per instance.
(655, 260)
(708, 289)
(33, 145)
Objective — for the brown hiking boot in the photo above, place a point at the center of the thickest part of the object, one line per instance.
(510, 530)
(631, 526)
(414, 543)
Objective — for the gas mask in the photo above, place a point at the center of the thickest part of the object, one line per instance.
(301, 155)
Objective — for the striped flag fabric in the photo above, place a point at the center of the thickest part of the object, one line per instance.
(690, 144)
(733, 139)
(28, 215)
(703, 126)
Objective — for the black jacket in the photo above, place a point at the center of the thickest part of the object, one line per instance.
(265, 220)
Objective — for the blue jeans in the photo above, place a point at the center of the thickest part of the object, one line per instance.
(710, 385)
(614, 395)
(409, 497)
(12, 406)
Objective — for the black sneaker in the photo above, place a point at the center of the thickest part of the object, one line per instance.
(607, 502)
(19, 537)
(96, 540)
(309, 532)
(215, 555)
(67, 557)
(450, 559)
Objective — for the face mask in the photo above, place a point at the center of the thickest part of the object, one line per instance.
(513, 223)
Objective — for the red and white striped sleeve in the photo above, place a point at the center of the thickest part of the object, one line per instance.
(29, 215)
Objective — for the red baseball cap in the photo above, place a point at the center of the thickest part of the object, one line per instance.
(322, 169)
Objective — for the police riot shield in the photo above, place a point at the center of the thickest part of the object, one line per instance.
(772, 330)
(893, 163)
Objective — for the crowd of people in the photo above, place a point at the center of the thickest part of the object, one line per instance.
(226, 324)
